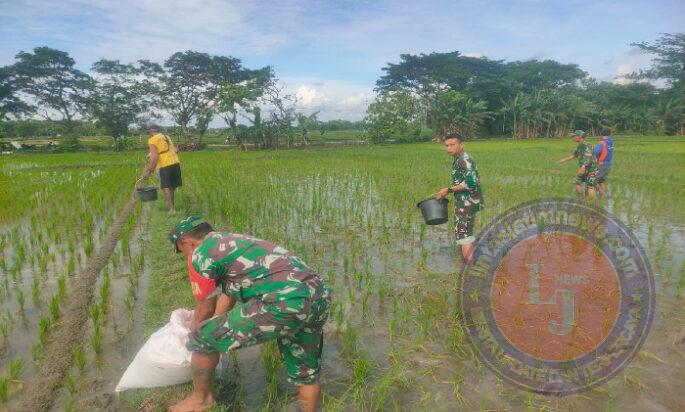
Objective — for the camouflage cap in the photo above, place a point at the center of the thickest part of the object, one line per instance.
(184, 226)
(579, 133)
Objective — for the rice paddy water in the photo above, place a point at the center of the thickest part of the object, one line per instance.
(393, 340)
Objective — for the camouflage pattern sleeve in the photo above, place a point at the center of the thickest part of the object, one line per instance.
(584, 155)
(205, 264)
(458, 171)
(470, 174)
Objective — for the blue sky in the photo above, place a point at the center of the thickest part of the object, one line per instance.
(330, 53)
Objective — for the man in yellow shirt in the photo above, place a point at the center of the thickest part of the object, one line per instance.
(163, 158)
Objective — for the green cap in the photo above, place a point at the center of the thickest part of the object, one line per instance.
(579, 133)
(184, 226)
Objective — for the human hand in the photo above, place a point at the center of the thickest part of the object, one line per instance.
(442, 193)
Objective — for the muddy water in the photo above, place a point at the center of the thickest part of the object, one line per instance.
(418, 265)
(395, 288)
(122, 328)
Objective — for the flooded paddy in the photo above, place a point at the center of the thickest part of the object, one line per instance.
(393, 340)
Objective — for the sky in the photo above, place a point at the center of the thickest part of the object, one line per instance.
(330, 53)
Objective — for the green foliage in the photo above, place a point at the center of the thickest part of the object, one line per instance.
(80, 358)
(454, 111)
(55, 306)
(396, 115)
(10, 103)
(49, 76)
(15, 369)
(70, 383)
(669, 61)
(4, 389)
(122, 95)
(96, 340)
(44, 329)
(191, 81)
(534, 98)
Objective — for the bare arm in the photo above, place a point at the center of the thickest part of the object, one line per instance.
(204, 309)
(442, 193)
(565, 159)
(153, 158)
(223, 304)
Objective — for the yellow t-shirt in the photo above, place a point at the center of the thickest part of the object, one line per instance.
(166, 149)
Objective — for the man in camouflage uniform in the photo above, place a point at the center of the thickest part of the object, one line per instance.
(280, 298)
(468, 196)
(587, 166)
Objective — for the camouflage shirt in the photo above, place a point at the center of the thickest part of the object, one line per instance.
(464, 172)
(249, 268)
(585, 157)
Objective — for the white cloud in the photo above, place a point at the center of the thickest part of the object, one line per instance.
(310, 97)
(476, 55)
(333, 99)
(631, 61)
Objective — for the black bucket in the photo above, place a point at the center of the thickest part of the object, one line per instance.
(147, 194)
(434, 211)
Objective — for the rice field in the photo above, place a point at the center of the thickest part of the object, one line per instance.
(393, 340)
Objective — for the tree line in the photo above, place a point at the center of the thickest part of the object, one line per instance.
(190, 87)
(438, 91)
(526, 99)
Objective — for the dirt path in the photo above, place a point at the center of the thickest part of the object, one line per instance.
(42, 388)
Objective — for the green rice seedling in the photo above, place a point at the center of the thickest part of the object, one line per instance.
(89, 246)
(71, 265)
(680, 283)
(16, 271)
(54, 307)
(361, 368)
(5, 328)
(6, 286)
(70, 383)
(62, 287)
(129, 302)
(44, 329)
(95, 314)
(36, 351)
(80, 358)
(350, 341)
(339, 318)
(385, 385)
(272, 363)
(96, 340)
(15, 369)
(4, 389)
(35, 290)
(21, 299)
(365, 298)
(104, 291)
(43, 265)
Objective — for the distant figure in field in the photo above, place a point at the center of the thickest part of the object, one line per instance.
(163, 157)
(604, 153)
(587, 166)
(468, 196)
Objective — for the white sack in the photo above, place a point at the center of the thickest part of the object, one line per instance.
(164, 359)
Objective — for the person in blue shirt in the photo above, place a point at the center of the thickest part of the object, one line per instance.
(604, 153)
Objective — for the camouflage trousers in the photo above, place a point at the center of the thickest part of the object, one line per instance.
(603, 173)
(296, 325)
(589, 178)
(465, 217)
